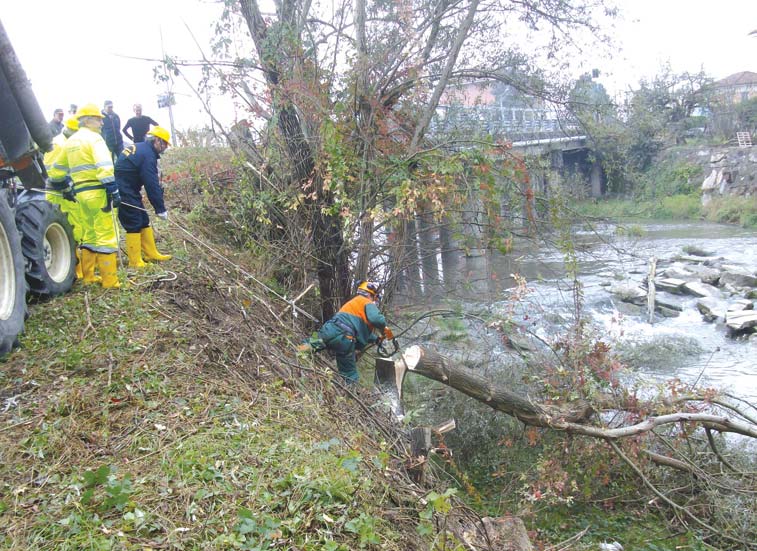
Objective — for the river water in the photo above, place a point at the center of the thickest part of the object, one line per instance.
(685, 346)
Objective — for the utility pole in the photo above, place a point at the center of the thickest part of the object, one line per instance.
(167, 100)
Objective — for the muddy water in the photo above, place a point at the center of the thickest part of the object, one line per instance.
(686, 346)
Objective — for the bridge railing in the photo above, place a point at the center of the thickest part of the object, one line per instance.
(510, 129)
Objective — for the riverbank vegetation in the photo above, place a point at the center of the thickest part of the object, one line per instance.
(741, 211)
(176, 412)
(669, 189)
(637, 141)
(171, 414)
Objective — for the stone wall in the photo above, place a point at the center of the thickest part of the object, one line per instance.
(729, 171)
(726, 170)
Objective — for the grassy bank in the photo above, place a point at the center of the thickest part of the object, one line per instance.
(741, 211)
(671, 190)
(676, 207)
(162, 416)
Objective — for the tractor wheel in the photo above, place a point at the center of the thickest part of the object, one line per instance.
(12, 283)
(49, 248)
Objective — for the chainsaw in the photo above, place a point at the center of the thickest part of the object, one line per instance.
(383, 350)
(381, 347)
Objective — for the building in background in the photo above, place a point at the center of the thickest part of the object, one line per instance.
(737, 88)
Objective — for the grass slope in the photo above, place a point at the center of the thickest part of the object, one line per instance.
(171, 414)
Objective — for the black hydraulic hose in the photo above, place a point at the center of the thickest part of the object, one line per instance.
(21, 88)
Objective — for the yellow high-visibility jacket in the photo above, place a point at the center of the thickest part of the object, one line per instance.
(85, 157)
(53, 154)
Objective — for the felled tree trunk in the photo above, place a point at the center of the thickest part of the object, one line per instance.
(572, 417)
(430, 364)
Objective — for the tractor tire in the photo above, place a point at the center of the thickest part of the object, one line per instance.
(12, 283)
(49, 248)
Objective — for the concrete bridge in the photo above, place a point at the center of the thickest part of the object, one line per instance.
(569, 160)
(569, 151)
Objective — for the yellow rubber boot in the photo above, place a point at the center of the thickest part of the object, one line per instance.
(108, 266)
(79, 268)
(134, 250)
(88, 261)
(149, 248)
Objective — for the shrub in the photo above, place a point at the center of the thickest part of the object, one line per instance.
(733, 210)
(681, 207)
(671, 178)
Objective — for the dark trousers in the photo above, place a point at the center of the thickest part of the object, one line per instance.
(133, 220)
(342, 347)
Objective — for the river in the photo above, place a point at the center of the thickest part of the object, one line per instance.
(685, 346)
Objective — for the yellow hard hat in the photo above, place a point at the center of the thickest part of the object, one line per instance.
(368, 288)
(160, 132)
(72, 123)
(89, 110)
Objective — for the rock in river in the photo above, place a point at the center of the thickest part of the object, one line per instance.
(701, 289)
(629, 292)
(738, 322)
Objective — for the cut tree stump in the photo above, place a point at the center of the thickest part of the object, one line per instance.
(420, 447)
(388, 379)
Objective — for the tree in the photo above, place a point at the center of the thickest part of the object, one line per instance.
(627, 137)
(344, 101)
(747, 115)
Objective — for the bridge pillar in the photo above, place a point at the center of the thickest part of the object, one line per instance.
(554, 176)
(595, 179)
(556, 159)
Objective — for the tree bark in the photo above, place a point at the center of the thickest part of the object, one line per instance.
(365, 122)
(429, 363)
(331, 256)
(428, 252)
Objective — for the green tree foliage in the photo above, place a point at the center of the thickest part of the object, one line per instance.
(746, 113)
(627, 136)
(341, 98)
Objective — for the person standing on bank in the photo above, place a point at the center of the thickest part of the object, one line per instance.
(112, 130)
(56, 124)
(139, 125)
(137, 167)
(357, 324)
(85, 158)
(63, 192)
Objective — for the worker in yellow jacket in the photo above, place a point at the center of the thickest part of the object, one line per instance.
(63, 196)
(85, 158)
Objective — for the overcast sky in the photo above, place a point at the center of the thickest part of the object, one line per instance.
(690, 34)
(75, 51)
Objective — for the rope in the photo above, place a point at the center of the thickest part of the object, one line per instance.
(238, 268)
(116, 228)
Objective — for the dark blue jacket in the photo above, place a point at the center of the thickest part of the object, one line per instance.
(112, 133)
(137, 166)
(139, 126)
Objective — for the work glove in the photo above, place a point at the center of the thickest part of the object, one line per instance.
(388, 333)
(113, 201)
(162, 215)
(68, 193)
(65, 188)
